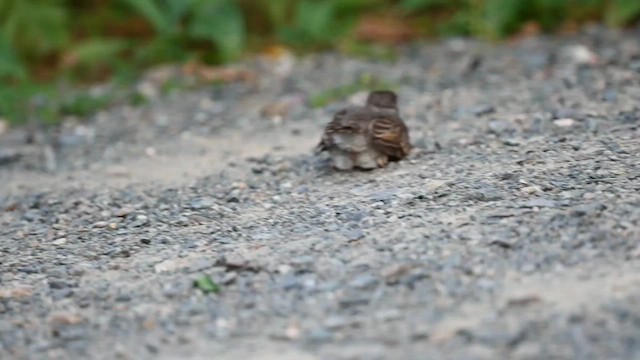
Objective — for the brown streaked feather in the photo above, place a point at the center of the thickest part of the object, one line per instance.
(387, 133)
(390, 136)
(334, 126)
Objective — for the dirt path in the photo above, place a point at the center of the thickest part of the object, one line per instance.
(511, 232)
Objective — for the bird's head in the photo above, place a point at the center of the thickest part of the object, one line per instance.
(383, 100)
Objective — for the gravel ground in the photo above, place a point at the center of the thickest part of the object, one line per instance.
(511, 232)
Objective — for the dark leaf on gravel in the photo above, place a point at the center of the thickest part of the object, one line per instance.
(207, 285)
(504, 243)
(484, 109)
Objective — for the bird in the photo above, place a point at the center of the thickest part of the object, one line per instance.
(367, 137)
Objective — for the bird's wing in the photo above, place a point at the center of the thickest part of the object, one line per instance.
(344, 121)
(390, 136)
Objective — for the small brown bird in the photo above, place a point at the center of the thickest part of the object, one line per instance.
(367, 137)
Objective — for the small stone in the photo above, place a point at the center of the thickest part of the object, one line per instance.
(318, 336)
(291, 282)
(364, 281)
(19, 292)
(565, 122)
(523, 300)
(487, 193)
(388, 315)
(123, 298)
(65, 319)
(587, 209)
(539, 203)
(292, 332)
(485, 109)
(59, 242)
(512, 142)
(336, 322)
(393, 273)
(610, 95)
(229, 277)
(118, 171)
(354, 301)
(533, 189)
(384, 196)
(235, 261)
(152, 348)
(432, 185)
(7, 156)
(300, 263)
(58, 284)
(100, 224)
(564, 113)
(172, 265)
(499, 127)
(354, 234)
(141, 220)
(201, 203)
(581, 55)
(123, 212)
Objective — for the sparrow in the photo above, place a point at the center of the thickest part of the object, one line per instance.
(367, 137)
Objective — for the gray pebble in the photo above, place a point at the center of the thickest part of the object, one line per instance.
(539, 202)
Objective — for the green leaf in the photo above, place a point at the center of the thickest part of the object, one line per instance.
(153, 13)
(206, 284)
(354, 7)
(315, 18)
(176, 10)
(417, 5)
(14, 100)
(161, 49)
(84, 104)
(99, 50)
(277, 12)
(221, 23)
(11, 67)
(623, 12)
(501, 17)
(319, 23)
(34, 27)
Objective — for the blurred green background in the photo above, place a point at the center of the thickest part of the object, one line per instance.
(49, 44)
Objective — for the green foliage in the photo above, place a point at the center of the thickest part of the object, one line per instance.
(13, 106)
(178, 22)
(623, 12)
(420, 5)
(11, 68)
(222, 23)
(164, 15)
(35, 27)
(318, 23)
(206, 284)
(92, 40)
(84, 104)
